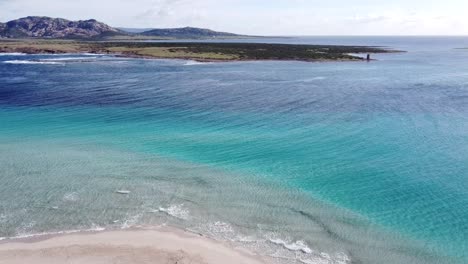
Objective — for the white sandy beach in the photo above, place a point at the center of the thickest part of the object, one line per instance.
(133, 246)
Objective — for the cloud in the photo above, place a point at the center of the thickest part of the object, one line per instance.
(261, 17)
(368, 18)
(161, 8)
(167, 13)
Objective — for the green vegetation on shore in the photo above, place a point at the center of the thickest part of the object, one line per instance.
(193, 50)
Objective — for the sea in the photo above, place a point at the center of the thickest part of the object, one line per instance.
(313, 163)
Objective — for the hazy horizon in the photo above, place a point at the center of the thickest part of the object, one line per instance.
(260, 17)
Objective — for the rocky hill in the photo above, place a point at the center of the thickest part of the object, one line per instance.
(46, 27)
(59, 28)
(188, 33)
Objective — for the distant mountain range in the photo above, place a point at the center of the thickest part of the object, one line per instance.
(56, 28)
(46, 27)
(188, 32)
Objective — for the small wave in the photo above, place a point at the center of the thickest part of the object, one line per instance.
(130, 222)
(318, 78)
(13, 54)
(91, 54)
(177, 211)
(296, 246)
(192, 63)
(308, 261)
(247, 239)
(340, 258)
(73, 54)
(313, 261)
(70, 59)
(23, 236)
(71, 197)
(31, 62)
(222, 230)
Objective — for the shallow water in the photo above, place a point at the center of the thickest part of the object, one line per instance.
(310, 162)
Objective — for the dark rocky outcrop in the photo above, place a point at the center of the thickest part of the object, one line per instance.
(46, 27)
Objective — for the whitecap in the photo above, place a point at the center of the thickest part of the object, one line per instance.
(192, 63)
(23, 236)
(295, 246)
(72, 54)
(69, 59)
(177, 211)
(90, 54)
(13, 54)
(131, 222)
(31, 62)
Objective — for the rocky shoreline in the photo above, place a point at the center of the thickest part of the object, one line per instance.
(206, 52)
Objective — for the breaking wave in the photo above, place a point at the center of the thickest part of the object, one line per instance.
(32, 62)
(192, 63)
(70, 59)
(295, 246)
(24, 236)
(177, 211)
(13, 54)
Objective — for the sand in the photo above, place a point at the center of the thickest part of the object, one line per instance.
(132, 246)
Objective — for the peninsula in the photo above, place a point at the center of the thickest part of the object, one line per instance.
(212, 52)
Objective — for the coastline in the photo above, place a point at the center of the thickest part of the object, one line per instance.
(188, 58)
(201, 52)
(156, 245)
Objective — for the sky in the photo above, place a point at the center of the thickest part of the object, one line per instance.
(262, 17)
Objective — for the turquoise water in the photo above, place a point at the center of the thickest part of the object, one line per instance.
(306, 162)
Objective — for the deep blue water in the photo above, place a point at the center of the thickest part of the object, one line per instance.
(346, 162)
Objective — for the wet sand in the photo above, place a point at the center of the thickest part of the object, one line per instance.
(133, 246)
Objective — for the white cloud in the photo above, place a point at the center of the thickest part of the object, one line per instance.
(273, 17)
